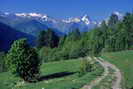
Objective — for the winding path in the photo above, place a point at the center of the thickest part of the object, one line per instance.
(106, 65)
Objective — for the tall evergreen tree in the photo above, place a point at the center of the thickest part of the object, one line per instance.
(48, 38)
(74, 35)
(62, 41)
(128, 26)
(41, 39)
(113, 20)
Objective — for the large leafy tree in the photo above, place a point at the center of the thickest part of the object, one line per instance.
(23, 61)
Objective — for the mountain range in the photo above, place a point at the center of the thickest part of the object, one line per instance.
(27, 25)
(8, 35)
(32, 23)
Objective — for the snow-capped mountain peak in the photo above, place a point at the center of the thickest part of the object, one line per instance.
(117, 13)
(39, 16)
(35, 15)
(64, 26)
(86, 19)
(120, 15)
(31, 15)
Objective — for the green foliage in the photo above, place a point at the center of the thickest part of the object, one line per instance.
(73, 46)
(70, 46)
(50, 54)
(48, 38)
(74, 35)
(62, 41)
(116, 35)
(2, 62)
(23, 61)
(77, 50)
(41, 39)
(85, 66)
(44, 54)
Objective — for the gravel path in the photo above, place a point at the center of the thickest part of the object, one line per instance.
(106, 65)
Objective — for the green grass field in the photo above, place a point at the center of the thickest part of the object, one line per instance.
(69, 68)
(124, 61)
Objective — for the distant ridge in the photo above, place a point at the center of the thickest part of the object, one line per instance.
(8, 35)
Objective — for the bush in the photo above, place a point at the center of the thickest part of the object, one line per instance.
(23, 61)
(85, 66)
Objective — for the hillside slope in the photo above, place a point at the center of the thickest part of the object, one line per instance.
(8, 35)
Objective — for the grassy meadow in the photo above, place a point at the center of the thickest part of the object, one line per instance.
(124, 61)
(55, 75)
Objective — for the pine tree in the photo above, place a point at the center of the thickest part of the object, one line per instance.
(48, 38)
(113, 20)
(41, 39)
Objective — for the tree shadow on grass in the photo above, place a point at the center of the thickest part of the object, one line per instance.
(132, 88)
(56, 75)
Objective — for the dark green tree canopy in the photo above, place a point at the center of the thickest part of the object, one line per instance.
(48, 38)
(22, 60)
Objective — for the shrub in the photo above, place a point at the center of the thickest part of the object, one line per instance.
(23, 61)
(85, 66)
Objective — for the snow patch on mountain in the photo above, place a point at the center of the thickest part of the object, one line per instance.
(85, 19)
(120, 15)
(21, 14)
(37, 16)
(71, 20)
(31, 15)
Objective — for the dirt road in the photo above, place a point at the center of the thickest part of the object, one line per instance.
(106, 65)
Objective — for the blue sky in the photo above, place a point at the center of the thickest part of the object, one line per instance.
(96, 9)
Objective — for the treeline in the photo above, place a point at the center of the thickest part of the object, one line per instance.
(115, 35)
(112, 35)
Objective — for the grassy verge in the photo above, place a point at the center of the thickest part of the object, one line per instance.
(124, 61)
(57, 75)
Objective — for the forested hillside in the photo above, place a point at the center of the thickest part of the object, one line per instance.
(112, 35)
